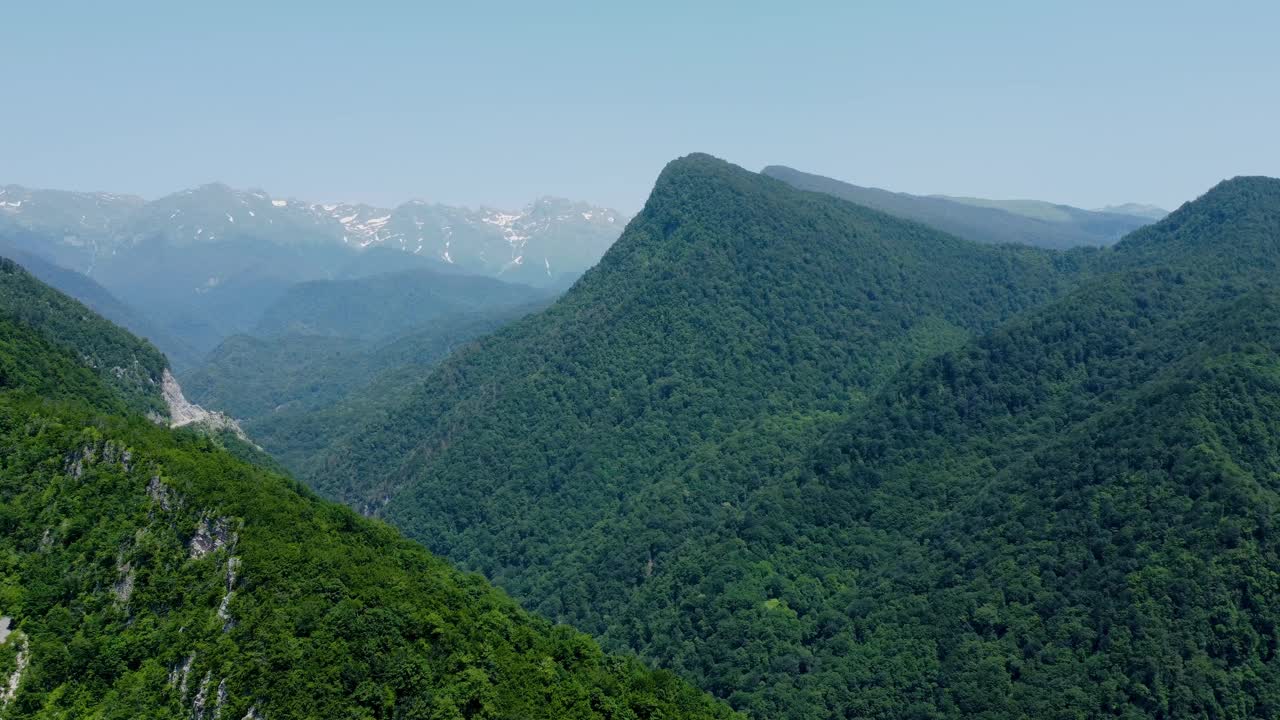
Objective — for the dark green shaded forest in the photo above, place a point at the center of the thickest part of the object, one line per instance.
(827, 463)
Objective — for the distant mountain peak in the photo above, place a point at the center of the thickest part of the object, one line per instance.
(1137, 209)
(1027, 222)
(549, 237)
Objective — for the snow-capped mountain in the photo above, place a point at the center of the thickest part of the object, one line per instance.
(549, 237)
(540, 244)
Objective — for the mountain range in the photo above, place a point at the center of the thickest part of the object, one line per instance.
(146, 572)
(201, 265)
(819, 451)
(549, 238)
(1027, 222)
(825, 462)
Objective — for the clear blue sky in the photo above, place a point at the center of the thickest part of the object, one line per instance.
(492, 102)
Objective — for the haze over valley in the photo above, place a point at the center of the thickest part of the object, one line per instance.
(848, 362)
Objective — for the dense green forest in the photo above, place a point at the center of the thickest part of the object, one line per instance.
(827, 463)
(147, 573)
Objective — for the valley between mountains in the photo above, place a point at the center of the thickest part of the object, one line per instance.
(776, 447)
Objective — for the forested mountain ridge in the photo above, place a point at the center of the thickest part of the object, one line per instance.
(132, 368)
(88, 291)
(728, 294)
(1026, 222)
(146, 573)
(688, 509)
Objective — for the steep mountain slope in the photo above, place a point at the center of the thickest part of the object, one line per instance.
(645, 459)
(1026, 222)
(101, 301)
(145, 573)
(133, 368)
(1068, 518)
(734, 297)
(736, 317)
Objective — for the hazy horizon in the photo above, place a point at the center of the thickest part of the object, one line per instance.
(1081, 104)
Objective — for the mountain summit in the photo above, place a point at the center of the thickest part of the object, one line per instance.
(826, 462)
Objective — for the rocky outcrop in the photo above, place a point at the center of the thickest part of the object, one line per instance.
(184, 412)
(10, 689)
(123, 587)
(160, 493)
(89, 454)
(224, 607)
(211, 534)
(202, 698)
(179, 674)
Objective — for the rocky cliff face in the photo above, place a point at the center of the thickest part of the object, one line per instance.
(183, 412)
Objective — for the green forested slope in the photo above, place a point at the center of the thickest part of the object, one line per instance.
(130, 366)
(146, 573)
(979, 538)
(95, 297)
(1036, 497)
(732, 301)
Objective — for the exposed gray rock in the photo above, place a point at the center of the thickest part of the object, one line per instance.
(4, 629)
(202, 698)
(220, 699)
(87, 455)
(123, 589)
(211, 535)
(10, 690)
(224, 614)
(160, 493)
(184, 412)
(179, 674)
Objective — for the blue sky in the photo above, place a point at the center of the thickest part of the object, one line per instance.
(494, 103)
